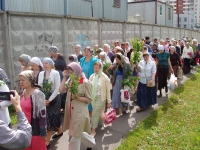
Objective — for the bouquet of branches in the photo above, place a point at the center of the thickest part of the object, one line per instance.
(46, 87)
(130, 82)
(137, 46)
(73, 85)
(106, 68)
(2, 82)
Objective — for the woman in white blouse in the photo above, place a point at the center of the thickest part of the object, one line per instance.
(187, 57)
(146, 96)
(49, 80)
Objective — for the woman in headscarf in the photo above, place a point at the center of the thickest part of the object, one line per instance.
(59, 60)
(73, 58)
(146, 96)
(24, 59)
(86, 64)
(33, 105)
(100, 93)
(128, 50)
(49, 80)
(175, 60)
(119, 71)
(36, 66)
(163, 65)
(154, 51)
(104, 58)
(76, 118)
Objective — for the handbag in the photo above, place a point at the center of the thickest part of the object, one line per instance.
(125, 95)
(110, 116)
(148, 83)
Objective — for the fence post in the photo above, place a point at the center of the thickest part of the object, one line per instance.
(100, 31)
(8, 49)
(140, 31)
(63, 28)
(124, 31)
(152, 32)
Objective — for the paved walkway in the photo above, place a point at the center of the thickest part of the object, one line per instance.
(111, 137)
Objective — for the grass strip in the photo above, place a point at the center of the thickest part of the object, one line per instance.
(174, 125)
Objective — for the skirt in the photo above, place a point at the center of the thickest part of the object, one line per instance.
(162, 77)
(54, 115)
(37, 143)
(146, 96)
(186, 65)
(98, 107)
(116, 94)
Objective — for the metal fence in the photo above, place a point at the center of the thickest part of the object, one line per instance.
(33, 34)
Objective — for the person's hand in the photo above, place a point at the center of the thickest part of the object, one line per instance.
(48, 102)
(65, 73)
(172, 70)
(0, 101)
(108, 105)
(151, 82)
(44, 137)
(16, 101)
(111, 67)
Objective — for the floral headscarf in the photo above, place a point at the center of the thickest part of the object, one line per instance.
(53, 49)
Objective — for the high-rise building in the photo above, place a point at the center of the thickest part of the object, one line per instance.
(186, 12)
(197, 13)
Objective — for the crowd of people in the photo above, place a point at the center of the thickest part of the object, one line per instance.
(46, 86)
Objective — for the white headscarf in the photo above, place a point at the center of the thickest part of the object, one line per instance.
(107, 59)
(36, 61)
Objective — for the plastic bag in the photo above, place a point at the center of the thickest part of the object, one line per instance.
(125, 95)
(172, 82)
(110, 116)
(88, 140)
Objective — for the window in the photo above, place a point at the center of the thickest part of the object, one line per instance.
(185, 26)
(191, 26)
(185, 19)
(116, 3)
(192, 20)
(169, 14)
(179, 18)
(161, 10)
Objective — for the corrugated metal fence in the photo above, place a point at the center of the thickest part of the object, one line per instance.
(33, 33)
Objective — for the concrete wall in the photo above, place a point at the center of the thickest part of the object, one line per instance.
(34, 33)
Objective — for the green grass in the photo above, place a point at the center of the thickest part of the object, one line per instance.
(175, 125)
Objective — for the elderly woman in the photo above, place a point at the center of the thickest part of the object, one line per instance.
(78, 52)
(36, 66)
(100, 93)
(59, 60)
(120, 50)
(110, 54)
(73, 58)
(146, 96)
(128, 50)
(175, 60)
(187, 58)
(104, 58)
(163, 65)
(49, 80)
(34, 108)
(76, 118)
(119, 71)
(87, 64)
(24, 59)
(98, 51)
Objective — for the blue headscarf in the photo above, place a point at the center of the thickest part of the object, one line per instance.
(48, 60)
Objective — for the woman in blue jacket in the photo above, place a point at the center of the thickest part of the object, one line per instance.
(87, 64)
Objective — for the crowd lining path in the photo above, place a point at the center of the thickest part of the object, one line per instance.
(112, 136)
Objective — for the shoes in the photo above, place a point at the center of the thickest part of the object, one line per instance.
(119, 115)
(93, 135)
(139, 110)
(128, 111)
(57, 136)
(89, 148)
(160, 95)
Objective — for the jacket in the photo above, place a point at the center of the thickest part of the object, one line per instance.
(126, 71)
(78, 121)
(15, 139)
(105, 86)
(91, 70)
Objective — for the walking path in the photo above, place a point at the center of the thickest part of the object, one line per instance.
(111, 137)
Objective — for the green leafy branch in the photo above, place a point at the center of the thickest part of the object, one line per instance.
(73, 85)
(130, 81)
(137, 46)
(47, 88)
